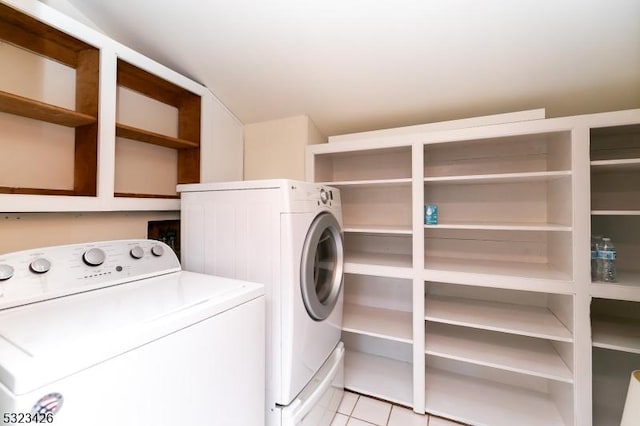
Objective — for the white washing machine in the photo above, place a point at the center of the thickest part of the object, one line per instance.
(114, 333)
(286, 235)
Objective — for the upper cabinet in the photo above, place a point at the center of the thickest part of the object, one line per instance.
(91, 125)
(38, 45)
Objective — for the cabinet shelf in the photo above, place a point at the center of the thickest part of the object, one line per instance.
(376, 322)
(379, 377)
(24, 107)
(370, 182)
(627, 164)
(502, 226)
(513, 275)
(379, 264)
(499, 178)
(478, 401)
(616, 334)
(627, 287)
(141, 135)
(615, 212)
(532, 321)
(518, 354)
(378, 229)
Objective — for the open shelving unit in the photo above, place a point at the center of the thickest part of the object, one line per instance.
(615, 308)
(51, 44)
(377, 331)
(187, 140)
(77, 133)
(498, 291)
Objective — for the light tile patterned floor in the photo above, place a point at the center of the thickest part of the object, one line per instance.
(360, 410)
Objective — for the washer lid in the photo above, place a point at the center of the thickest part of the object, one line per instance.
(43, 342)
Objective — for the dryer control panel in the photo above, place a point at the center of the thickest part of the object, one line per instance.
(46, 273)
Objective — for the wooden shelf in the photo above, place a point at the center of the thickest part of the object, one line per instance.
(35, 191)
(477, 401)
(627, 287)
(373, 182)
(518, 354)
(379, 264)
(379, 377)
(24, 107)
(379, 229)
(377, 322)
(513, 275)
(502, 226)
(141, 135)
(133, 195)
(532, 321)
(498, 178)
(616, 333)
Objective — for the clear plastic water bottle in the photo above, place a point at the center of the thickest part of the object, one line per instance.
(607, 264)
(596, 242)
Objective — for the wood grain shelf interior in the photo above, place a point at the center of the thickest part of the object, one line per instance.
(189, 109)
(141, 135)
(25, 107)
(35, 191)
(27, 33)
(135, 195)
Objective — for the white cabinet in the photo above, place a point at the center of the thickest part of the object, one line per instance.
(484, 317)
(139, 127)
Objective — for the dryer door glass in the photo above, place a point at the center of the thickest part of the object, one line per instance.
(321, 268)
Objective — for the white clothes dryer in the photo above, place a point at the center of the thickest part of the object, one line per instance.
(287, 235)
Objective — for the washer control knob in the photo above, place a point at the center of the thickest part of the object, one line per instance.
(6, 272)
(137, 252)
(324, 196)
(157, 250)
(40, 265)
(94, 257)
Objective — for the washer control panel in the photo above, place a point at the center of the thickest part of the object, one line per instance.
(40, 274)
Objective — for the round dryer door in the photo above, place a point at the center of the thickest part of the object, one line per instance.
(321, 268)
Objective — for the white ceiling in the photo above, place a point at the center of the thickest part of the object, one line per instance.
(356, 65)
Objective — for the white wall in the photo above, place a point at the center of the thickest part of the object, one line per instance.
(276, 149)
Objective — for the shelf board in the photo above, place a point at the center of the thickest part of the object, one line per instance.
(135, 195)
(627, 164)
(482, 402)
(499, 178)
(615, 212)
(532, 321)
(24, 107)
(35, 191)
(376, 322)
(372, 182)
(379, 377)
(627, 287)
(379, 229)
(501, 226)
(513, 275)
(616, 333)
(379, 264)
(141, 135)
(518, 354)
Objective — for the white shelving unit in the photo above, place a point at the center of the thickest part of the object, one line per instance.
(615, 309)
(484, 317)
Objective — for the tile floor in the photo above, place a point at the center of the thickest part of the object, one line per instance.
(360, 410)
